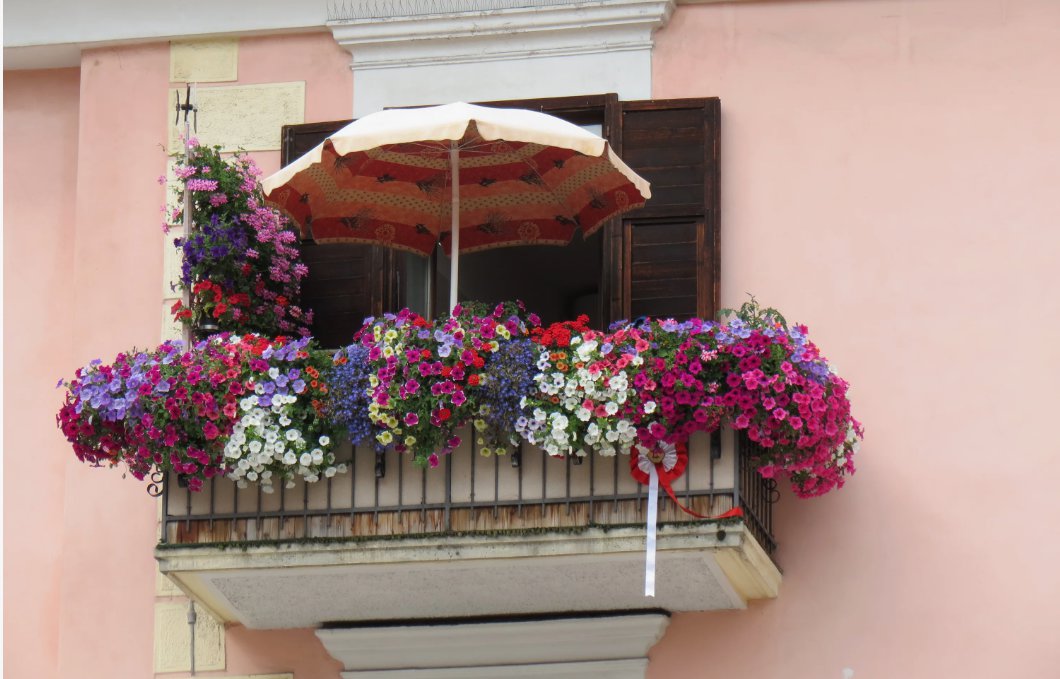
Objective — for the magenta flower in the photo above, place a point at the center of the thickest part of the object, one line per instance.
(201, 185)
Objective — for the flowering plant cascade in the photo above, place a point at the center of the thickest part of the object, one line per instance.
(676, 394)
(753, 372)
(581, 392)
(427, 376)
(262, 410)
(199, 412)
(281, 432)
(783, 393)
(241, 263)
(167, 409)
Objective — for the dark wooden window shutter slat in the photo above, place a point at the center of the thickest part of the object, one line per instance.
(346, 282)
(668, 256)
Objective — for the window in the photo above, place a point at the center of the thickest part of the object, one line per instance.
(660, 260)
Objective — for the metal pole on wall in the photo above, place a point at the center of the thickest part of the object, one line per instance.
(192, 618)
(188, 217)
(189, 221)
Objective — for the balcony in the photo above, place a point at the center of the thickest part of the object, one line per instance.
(519, 535)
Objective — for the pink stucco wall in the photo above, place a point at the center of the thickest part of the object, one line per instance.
(889, 172)
(83, 279)
(313, 57)
(40, 120)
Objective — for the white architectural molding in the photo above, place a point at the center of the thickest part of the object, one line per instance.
(52, 34)
(530, 29)
(433, 51)
(600, 669)
(614, 646)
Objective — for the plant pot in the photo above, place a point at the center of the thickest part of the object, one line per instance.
(206, 327)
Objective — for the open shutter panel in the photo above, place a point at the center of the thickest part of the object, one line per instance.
(347, 282)
(668, 255)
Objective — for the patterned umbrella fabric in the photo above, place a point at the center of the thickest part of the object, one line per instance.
(523, 178)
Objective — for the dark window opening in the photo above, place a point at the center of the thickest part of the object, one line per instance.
(660, 260)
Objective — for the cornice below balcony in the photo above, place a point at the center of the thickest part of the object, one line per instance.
(610, 646)
(701, 567)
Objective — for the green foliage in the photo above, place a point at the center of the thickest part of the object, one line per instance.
(754, 315)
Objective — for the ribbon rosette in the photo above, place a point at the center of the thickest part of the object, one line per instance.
(662, 466)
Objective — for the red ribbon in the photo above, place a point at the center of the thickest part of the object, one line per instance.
(668, 476)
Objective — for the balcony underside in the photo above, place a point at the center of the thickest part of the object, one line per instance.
(477, 537)
(701, 566)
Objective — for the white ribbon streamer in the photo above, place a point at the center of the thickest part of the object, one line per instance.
(653, 515)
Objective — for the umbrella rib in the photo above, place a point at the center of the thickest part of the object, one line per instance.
(551, 193)
(483, 148)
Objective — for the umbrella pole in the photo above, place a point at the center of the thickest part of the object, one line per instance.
(454, 226)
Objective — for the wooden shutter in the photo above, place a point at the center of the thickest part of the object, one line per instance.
(664, 257)
(346, 281)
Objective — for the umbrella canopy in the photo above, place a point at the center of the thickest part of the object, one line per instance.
(525, 177)
(468, 177)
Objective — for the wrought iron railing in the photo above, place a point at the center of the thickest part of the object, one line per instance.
(385, 494)
(757, 495)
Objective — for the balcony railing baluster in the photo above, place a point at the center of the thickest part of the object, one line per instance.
(496, 485)
(519, 473)
(710, 484)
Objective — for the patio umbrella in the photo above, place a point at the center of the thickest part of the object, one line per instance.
(469, 177)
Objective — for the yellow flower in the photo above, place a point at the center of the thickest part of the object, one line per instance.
(384, 437)
(377, 332)
(388, 351)
(390, 335)
(480, 425)
(503, 331)
(373, 380)
(392, 422)
(410, 441)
